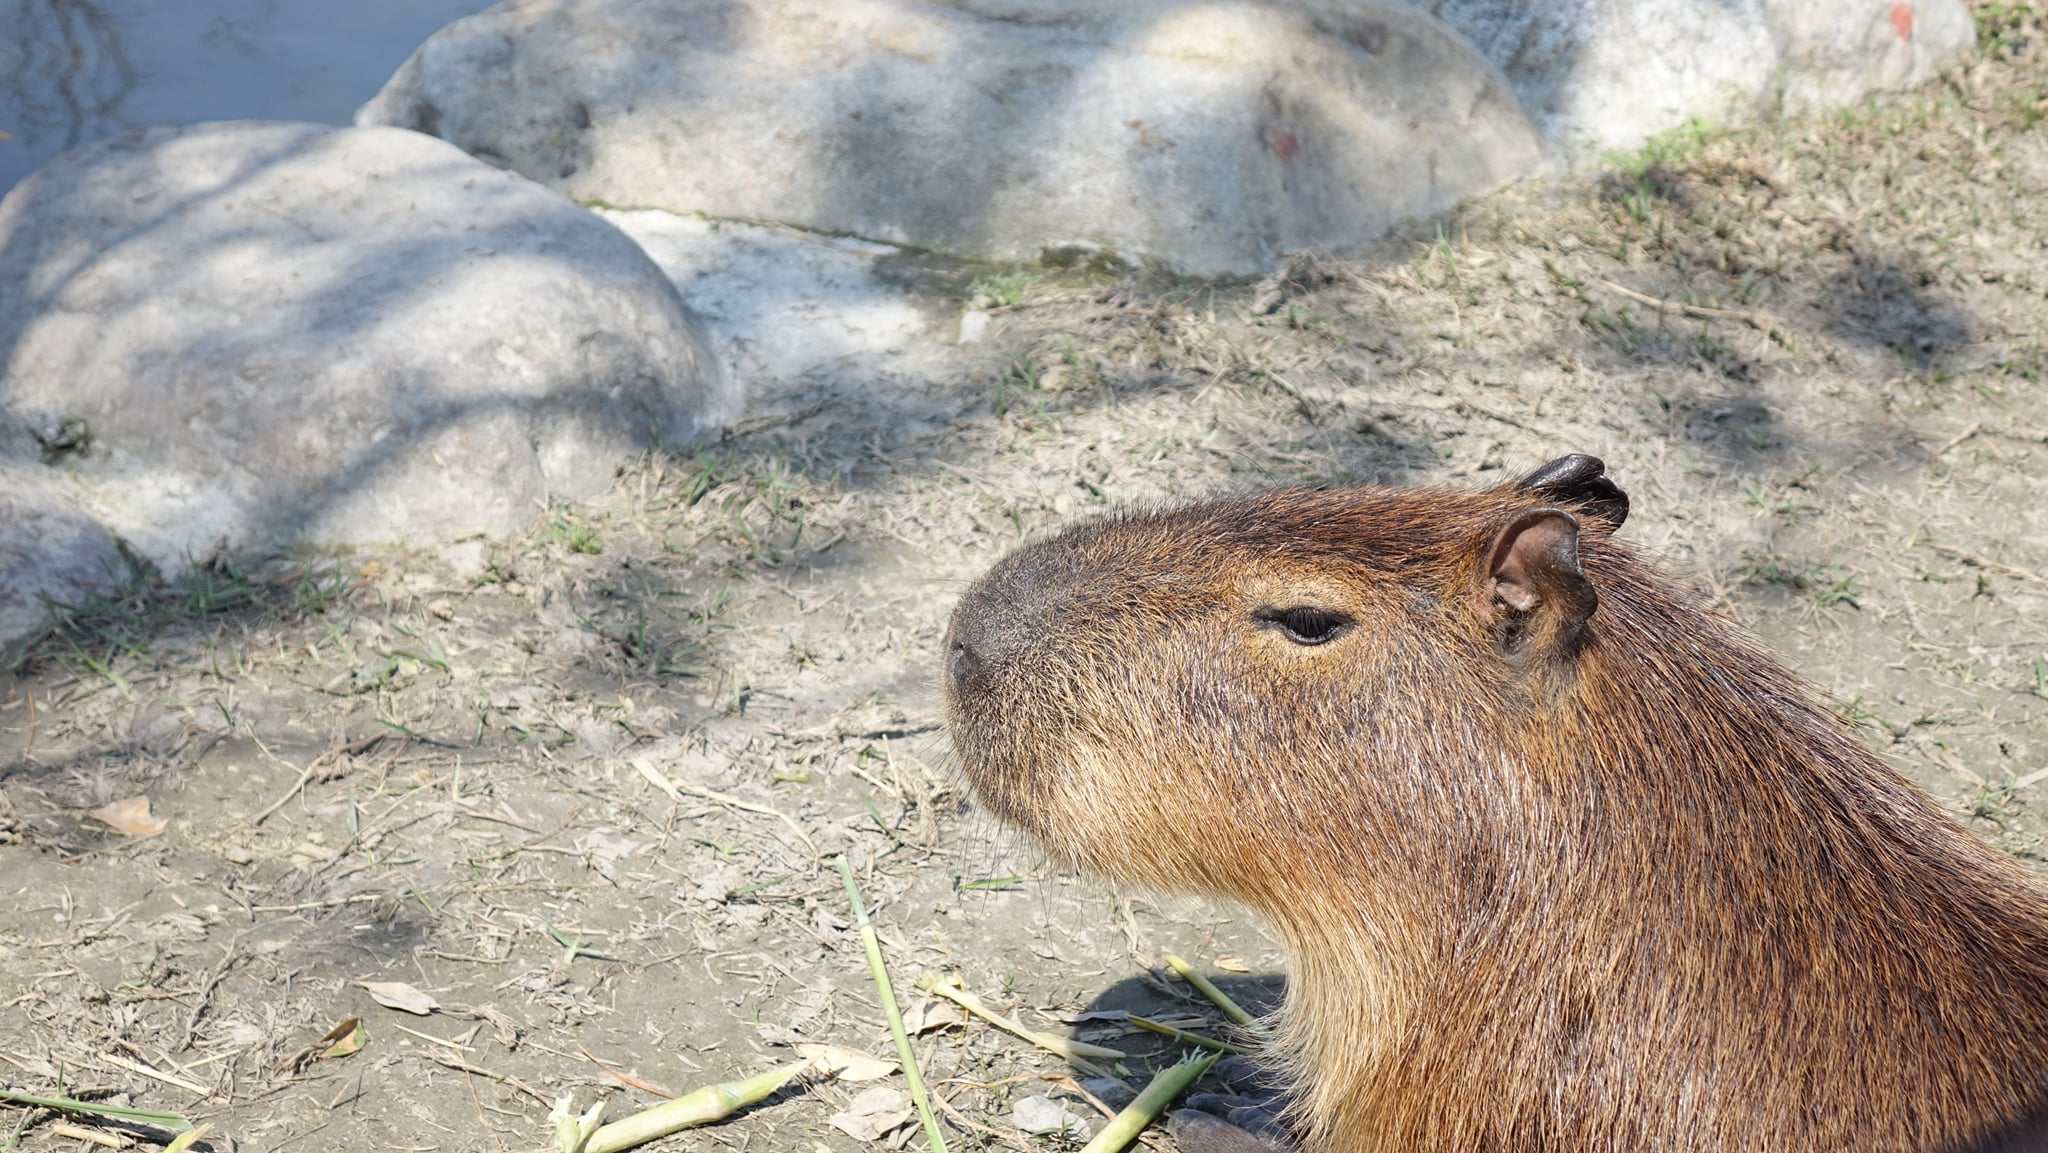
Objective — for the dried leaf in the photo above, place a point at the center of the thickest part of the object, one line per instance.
(347, 1039)
(1232, 965)
(130, 816)
(936, 1014)
(847, 1064)
(874, 1114)
(401, 996)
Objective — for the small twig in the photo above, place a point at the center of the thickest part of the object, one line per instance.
(749, 806)
(530, 842)
(205, 995)
(2031, 778)
(314, 766)
(1075, 1052)
(444, 1042)
(1467, 408)
(302, 906)
(2031, 435)
(1985, 562)
(98, 1137)
(657, 778)
(140, 1069)
(462, 1066)
(1973, 430)
(623, 1079)
(1696, 311)
(997, 1135)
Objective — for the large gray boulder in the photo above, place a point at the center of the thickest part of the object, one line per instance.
(1601, 75)
(1209, 134)
(261, 335)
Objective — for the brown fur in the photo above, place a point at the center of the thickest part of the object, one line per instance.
(1622, 889)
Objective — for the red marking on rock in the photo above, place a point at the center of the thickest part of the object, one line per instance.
(1284, 144)
(1902, 20)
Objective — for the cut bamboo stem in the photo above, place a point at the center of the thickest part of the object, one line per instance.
(1167, 1085)
(887, 992)
(1183, 1035)
(1207, 988)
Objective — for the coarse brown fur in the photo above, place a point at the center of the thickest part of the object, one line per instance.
(1546, 883)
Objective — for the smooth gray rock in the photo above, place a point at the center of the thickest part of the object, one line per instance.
(52, 554)
(1212, 135)
(262, 335)
(1600, 75)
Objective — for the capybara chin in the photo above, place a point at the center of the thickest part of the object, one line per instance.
(1563, 861)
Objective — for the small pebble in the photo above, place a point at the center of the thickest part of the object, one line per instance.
(1043, 1115)
(237, 855)
(973, 326)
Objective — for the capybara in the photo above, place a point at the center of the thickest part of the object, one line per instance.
(1563, 860)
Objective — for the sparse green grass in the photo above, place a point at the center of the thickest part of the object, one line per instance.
(1778, 500)
(320, 587)
(1002, 289)
(571, 531)
(2004, 29)
(1824, 586)
(659, 648)
(1995, 803)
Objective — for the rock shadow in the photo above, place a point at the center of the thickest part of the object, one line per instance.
(1885, 302)
(64, 71)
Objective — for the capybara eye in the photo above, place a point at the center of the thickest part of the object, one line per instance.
(1304, 624)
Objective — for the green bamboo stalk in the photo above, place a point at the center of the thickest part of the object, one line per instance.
(935, 1139)
(171, 1121)
(1190, 1038)
(1076, 1052)
(698, 1107)
(1207, 988)
(1166, 1085)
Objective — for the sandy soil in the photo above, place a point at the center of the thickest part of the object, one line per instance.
(1812, 353)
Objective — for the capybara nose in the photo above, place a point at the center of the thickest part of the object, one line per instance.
(996, 619)
(978, 640)
(965, 665)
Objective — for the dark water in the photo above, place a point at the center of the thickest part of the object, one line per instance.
(73, 71)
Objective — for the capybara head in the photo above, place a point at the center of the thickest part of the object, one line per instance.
(1197, 698)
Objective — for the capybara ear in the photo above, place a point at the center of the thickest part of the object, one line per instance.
(1580, 481)
(1539, 592)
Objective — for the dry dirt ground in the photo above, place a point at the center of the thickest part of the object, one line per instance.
(1812, 353)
